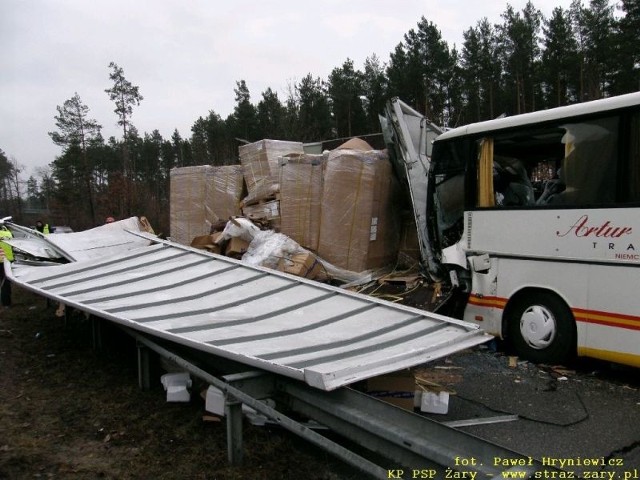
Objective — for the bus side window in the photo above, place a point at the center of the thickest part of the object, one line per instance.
(589, 167)
(631, 176)
(511, 182)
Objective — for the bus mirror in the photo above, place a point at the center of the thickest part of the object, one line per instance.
(480, 263)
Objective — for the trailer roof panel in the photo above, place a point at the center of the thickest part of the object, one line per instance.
(323, 335)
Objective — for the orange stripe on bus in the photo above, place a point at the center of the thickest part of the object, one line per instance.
(608, 319)
(486, 301)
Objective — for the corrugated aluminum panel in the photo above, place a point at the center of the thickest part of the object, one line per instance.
(323, 335)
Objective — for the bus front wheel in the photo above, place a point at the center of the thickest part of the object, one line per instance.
(541, 328)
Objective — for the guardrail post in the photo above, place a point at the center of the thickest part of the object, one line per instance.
(96, 333)
(233, 412)
(144, 367)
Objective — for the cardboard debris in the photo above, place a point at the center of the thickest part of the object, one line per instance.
(303, 265)
(439, 377)
(236, 247)
(358, 228)
(206, 242)
(264, 210)
(301, 180)
(409, 281)
(398, 389)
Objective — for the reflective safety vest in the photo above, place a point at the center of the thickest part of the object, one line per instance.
(45, 230)
(6, 248)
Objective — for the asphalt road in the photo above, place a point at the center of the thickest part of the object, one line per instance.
(582, 418)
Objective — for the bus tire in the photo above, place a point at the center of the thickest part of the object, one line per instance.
(541, 328)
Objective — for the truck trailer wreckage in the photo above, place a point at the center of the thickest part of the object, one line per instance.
(269, 335)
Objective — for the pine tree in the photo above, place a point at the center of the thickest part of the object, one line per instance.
(75, 133)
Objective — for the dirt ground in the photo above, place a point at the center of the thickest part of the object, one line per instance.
(68, 411)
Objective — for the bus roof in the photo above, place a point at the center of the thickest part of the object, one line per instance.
(578, 109)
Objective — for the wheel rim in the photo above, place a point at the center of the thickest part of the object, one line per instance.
(538, 327)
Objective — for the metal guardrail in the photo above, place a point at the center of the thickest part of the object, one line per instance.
(401, 441)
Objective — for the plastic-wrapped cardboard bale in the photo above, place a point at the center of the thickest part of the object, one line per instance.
(187, 212)
(224, 191)
(260, 166)
(301, 179)
(358, 225)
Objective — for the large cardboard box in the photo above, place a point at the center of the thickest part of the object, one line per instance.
(236, 247)
(395, 388)
(202, 196)
(358, 223)
(223, 193)
(187, 197)
(301, 179)
(260, 166)
(303, 265)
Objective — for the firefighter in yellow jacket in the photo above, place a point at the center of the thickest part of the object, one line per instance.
(42, 227)
(6, 254)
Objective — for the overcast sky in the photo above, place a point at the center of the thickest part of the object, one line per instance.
(186, 56)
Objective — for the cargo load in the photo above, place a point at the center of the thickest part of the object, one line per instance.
(259, 162)
(187, 212)
(358, 226)
(224, 190)
(301, 180)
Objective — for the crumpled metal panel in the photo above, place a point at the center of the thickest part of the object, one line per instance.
(306, 330)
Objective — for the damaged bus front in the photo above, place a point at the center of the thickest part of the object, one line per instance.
(534, 223)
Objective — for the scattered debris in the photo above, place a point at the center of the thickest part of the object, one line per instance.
(6, 333)
(176, 385)
(211, 418)
(481, 421)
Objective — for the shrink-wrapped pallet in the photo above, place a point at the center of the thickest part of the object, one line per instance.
(224, 189)
(358, 226)
(187, 212)
(301, 178)
(260, 166)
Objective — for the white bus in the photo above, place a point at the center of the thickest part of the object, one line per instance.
(535, 220)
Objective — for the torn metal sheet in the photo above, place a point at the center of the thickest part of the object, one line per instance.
(309, 331)
(410, 136)
(104, 240)
(31, 244)
(34, 247)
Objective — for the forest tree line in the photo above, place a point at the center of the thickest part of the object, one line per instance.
(525, 63)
